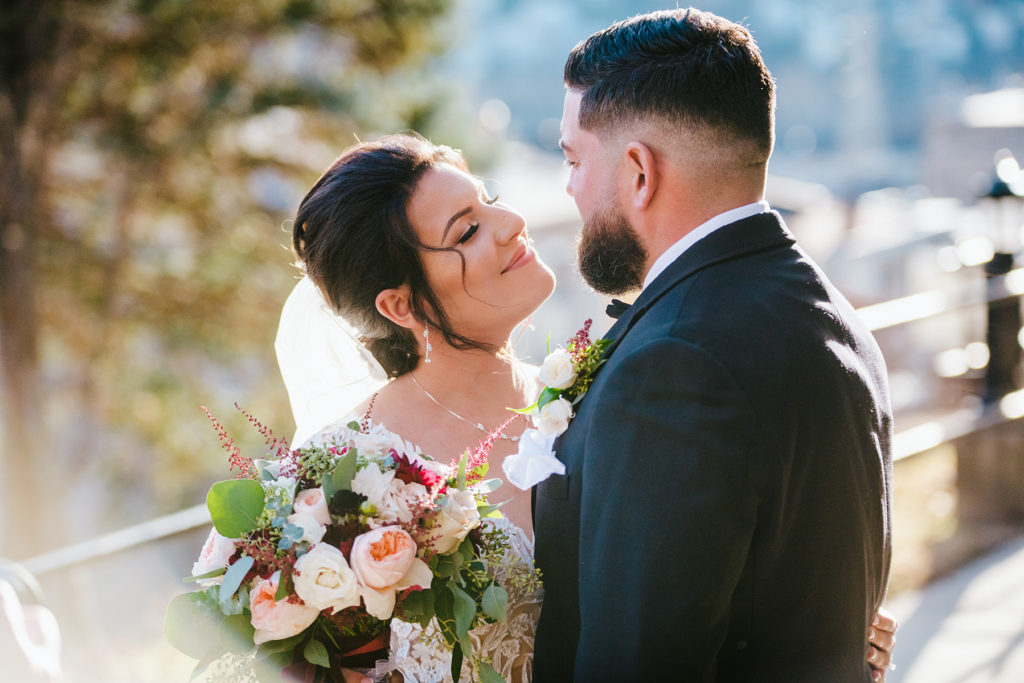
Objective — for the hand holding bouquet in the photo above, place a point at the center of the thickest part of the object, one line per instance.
(314, 551)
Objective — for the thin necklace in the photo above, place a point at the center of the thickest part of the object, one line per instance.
(456, 415)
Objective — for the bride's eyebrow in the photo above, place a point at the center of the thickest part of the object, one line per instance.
(451, 222)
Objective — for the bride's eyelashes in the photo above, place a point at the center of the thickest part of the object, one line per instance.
(470, 231)
(474, 226)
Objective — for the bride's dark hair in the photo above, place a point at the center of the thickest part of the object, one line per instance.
(353, 237)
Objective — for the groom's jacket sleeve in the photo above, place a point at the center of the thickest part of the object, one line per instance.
(664, 541)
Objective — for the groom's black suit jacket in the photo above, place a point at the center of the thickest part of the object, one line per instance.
(725, 512)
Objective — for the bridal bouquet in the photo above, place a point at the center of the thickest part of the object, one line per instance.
(313, 551)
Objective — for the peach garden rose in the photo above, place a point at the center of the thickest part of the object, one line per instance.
(273, 619)
(385, 561)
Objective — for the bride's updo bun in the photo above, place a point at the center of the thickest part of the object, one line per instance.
(353, 237)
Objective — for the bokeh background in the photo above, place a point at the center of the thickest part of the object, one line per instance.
(152, 153)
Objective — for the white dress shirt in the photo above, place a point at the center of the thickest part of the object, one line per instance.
(699, 233)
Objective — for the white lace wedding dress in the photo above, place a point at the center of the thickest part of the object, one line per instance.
(421, 655)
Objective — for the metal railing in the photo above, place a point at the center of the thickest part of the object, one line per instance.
(954, 426)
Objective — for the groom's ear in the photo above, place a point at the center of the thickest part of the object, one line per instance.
(393, 304)
(642, 175)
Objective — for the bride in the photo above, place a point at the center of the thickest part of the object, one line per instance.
(433, 276)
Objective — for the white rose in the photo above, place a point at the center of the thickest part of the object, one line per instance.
(312, 529)
(324, 579)
(372, 483)
(558, 371)
(456, 518)
(379, 441)
(553, 418)
(216, 552)
(393, 498)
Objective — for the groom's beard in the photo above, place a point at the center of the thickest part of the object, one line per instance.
(610, 256)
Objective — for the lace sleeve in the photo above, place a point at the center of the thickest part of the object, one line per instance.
(420, 654)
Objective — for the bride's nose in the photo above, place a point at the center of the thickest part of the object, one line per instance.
(512, 226)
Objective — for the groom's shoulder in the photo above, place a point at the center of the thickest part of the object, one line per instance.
(768, 303)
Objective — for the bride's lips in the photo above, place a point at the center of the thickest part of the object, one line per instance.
(524, 254)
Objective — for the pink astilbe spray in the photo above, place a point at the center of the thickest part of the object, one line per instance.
(479, 455)
(235, 458)
(579, 342)
(278, 445)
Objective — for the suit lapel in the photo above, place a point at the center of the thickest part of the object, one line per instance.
(757, 233)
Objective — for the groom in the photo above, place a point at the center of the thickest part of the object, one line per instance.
(725, 512)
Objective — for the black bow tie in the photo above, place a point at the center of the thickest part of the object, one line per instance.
(616, 308)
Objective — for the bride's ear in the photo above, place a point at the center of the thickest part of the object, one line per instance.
(393, 304)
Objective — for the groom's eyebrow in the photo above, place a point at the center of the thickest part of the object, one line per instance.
(451, 222)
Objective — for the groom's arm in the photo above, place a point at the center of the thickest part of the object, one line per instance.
(668, 510)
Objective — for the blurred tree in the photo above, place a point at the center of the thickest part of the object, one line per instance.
(150, 151)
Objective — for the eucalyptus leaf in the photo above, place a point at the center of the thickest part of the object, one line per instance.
(418, 607)
(208, 575)
(344, 471)
(489, 485)
(354, 426)
(191, 624)
(235, 604)
(495, 602)
(315, 652)
(449, 565)
(235, 506)
(269, 668)
(236, 634)
(490, 510)
(487, 673)
(327, 484)
(234, 576)
(465, 608)
(203, 664)
(261, 468)
(466, 645)
(444, 610)
(284, 645)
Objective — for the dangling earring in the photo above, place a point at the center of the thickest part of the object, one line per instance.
(426, 340)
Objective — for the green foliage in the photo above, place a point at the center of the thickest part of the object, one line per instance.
(234, 576)
(315, 652)
(487, 673)
(418, 607)
(495, 602)
(235, 506)
(192, 623)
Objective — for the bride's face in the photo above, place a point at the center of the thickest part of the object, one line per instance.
(504, 280)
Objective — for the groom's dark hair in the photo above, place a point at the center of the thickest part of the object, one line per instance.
(683, 66)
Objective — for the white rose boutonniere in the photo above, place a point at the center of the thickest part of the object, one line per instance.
(567, 374)
(558, 370)
(553, 418)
